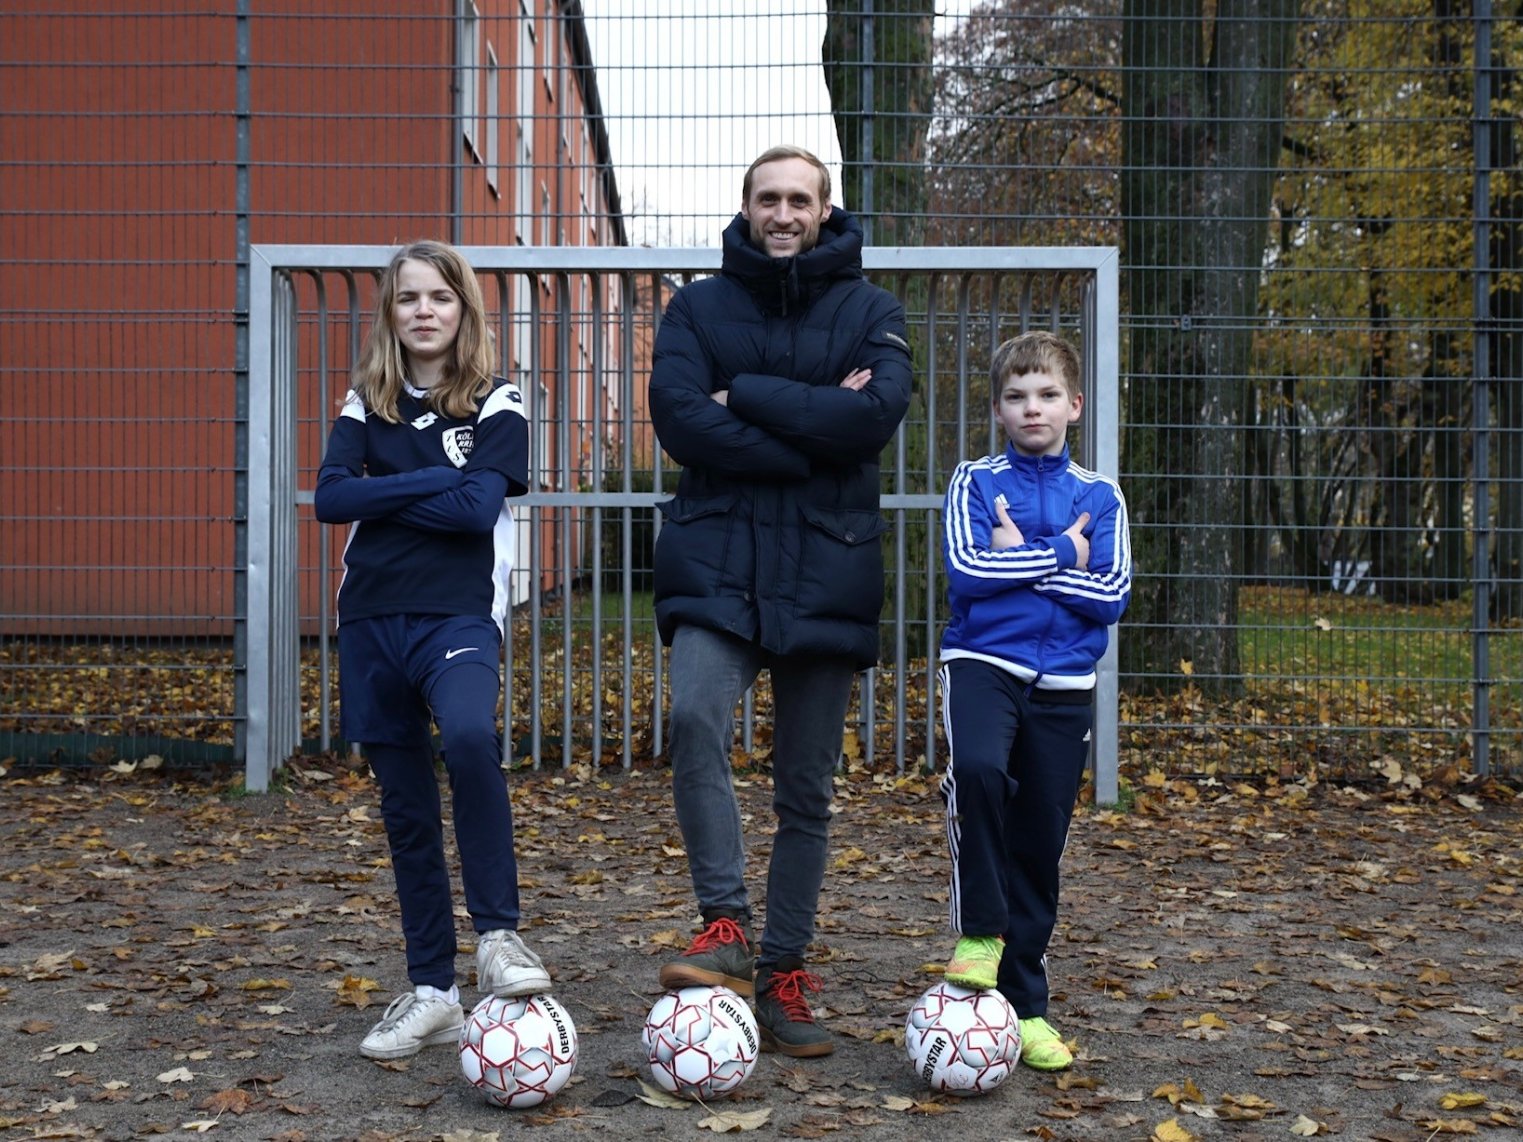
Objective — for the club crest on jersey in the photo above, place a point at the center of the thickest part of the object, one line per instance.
(458, 443)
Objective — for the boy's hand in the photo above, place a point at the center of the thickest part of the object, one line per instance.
(857, 379)
(1075, 532)
(1006, 535)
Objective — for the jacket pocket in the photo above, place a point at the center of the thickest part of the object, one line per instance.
(693, 548)
(840, 568)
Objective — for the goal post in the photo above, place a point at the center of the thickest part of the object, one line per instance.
(586, 323)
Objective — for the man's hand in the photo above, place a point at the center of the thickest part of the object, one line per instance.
(1006, 534)
(857, 379)
(1075, 532)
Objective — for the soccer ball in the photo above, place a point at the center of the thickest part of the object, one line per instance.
(700, 1041)
(518, 1052)
(961, 1041)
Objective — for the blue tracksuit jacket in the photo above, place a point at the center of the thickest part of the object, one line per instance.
(1028, 609)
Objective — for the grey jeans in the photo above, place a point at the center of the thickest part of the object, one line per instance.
(709, 674)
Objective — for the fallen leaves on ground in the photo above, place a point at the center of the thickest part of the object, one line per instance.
(1229, 955)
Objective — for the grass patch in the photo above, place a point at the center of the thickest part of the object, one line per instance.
(1290, 633)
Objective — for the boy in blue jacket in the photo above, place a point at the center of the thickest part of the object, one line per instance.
(1038, 567)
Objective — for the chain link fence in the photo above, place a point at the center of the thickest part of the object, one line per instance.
(1319, 209)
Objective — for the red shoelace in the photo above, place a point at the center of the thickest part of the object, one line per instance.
(788, 988)
(721, 931)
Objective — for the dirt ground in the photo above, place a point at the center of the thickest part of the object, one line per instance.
(1233, 962)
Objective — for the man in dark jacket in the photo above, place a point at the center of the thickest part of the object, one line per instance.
(776, 385)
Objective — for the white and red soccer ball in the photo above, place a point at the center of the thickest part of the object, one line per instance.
(701, 1042)
(960, 1041)
(518, 1052)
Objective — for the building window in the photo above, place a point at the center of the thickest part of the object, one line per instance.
(586, 168)
(470, 74)
(523, 118)
(489, 128)
(547, 469)
(552, 49)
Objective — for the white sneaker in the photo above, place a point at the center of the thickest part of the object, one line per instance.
(412, 1023)
(506, 968)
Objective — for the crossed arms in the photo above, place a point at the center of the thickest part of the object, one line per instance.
(1087, 567)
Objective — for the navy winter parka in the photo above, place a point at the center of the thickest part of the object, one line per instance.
(774, 534)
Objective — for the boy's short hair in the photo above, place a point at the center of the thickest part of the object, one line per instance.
(1035, 352)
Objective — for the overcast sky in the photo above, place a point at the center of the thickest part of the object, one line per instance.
(693, 90)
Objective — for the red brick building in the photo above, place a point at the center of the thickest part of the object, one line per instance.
(144, 147)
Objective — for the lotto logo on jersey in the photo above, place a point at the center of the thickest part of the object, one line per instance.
(458, 443)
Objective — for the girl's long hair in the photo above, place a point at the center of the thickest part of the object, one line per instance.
(382, 367)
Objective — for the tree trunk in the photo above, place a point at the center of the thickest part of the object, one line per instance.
(1444, 387)
(1200, 145)
(886, 184)
(1444, 406)
(1506, 256)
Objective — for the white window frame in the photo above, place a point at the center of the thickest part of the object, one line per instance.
(490, 158)
(470, 74)
(523, 118)
(547, 471)
(552, 57)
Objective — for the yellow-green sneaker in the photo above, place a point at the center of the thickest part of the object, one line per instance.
(1042, 1048)
(975, 962)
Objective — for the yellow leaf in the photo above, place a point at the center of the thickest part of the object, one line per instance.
(1186, 667)
(1459, 1101)
(1155, 779)
(1321, 623)
(655, 1096)
(355, 983)
(1171, 1131)
(1177, 1094)
(1304, 1127)
(731, 1121)
(354, 990)
(850, 856)
(668, 938)
(1249, 1100)
(266, 985)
